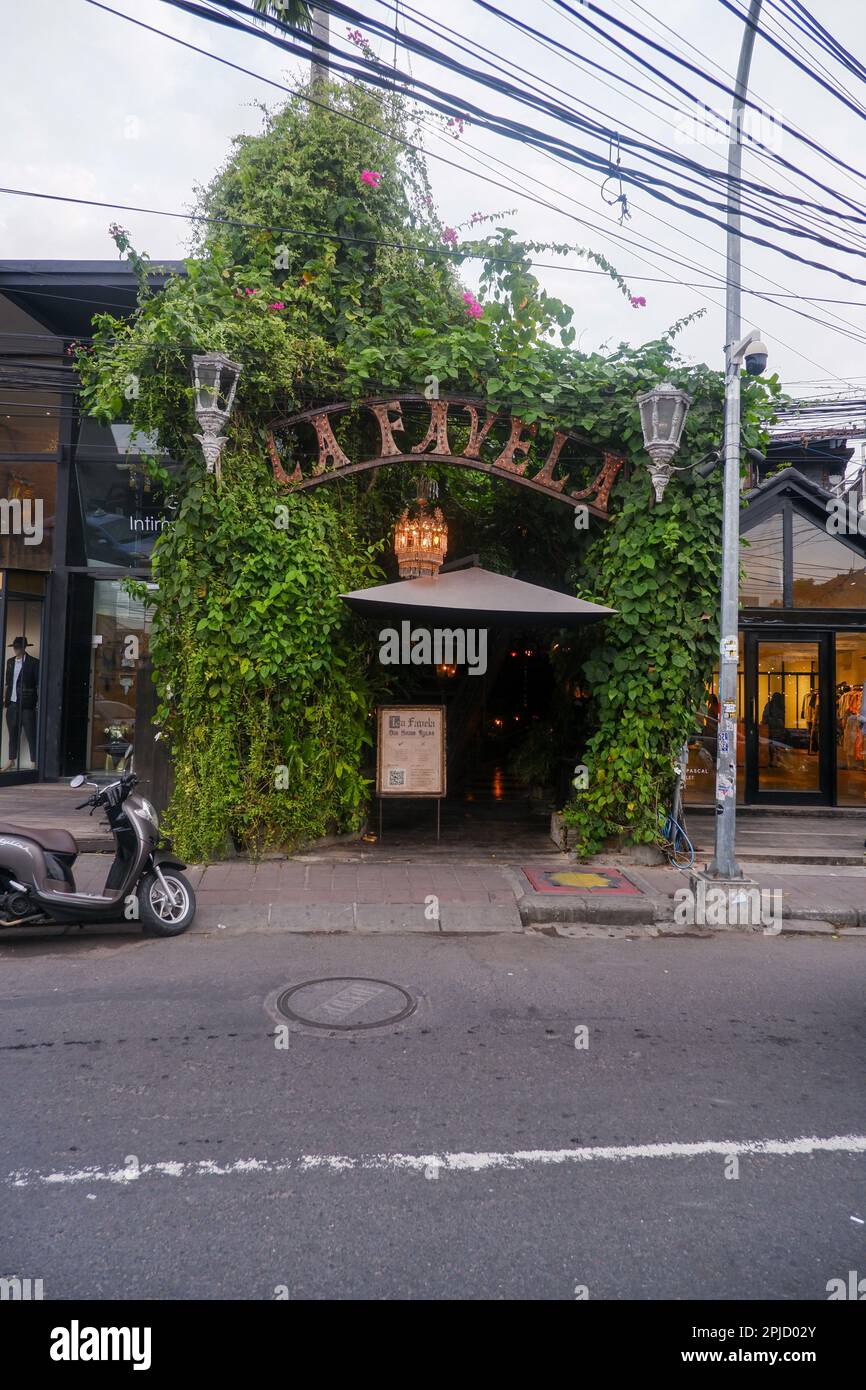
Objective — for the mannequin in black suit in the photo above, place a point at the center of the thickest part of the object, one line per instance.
(20, 694)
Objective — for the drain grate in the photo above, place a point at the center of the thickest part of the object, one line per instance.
(346, 1003)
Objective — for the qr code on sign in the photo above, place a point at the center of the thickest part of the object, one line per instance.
(396, 777)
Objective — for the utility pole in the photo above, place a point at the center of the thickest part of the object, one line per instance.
(724, 864)
(321, 31)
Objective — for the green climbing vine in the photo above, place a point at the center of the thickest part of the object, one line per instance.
(658, 566)
(321, 267)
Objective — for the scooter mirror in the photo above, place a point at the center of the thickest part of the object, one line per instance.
(78, 781)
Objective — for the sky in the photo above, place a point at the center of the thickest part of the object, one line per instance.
(93, 107)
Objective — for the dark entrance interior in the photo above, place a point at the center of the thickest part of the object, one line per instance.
(510, 747)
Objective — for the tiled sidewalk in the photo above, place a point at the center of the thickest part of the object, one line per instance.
(288, 881)
(331, 893)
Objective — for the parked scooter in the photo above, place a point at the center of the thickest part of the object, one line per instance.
(144, 883)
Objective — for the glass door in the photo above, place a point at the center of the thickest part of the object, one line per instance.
(789, 719)
(120, 643)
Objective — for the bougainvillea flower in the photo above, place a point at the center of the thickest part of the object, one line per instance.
(449, 236)
(277, 304)
(638, 301)
(371, 177)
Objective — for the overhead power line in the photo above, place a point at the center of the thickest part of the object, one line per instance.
(525, 134)
(684, 62)
(389, 135)
(786, 52)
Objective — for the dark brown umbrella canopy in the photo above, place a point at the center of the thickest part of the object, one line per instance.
(475, 597)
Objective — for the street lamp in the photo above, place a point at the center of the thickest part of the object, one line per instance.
(215, 378)
(663, 412)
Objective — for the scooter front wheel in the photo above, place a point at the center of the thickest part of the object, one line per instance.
(165, 913)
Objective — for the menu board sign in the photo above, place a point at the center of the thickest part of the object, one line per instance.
(411, 750)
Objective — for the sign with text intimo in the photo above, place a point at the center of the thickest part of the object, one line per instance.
(410, 757)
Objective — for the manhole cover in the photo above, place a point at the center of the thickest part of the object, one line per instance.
(345, 1003)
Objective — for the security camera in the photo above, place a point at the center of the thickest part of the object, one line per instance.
(756, 358)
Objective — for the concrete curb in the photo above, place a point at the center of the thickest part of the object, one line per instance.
(360, 918)
(653, 910)
(556, 917)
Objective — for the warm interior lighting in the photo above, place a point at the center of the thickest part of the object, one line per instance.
(420, 538)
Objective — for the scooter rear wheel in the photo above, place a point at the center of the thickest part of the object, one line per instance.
(160, 913)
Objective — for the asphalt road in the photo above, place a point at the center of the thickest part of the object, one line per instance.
(290, 1168)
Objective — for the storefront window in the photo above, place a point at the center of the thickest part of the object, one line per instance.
(121, 637)
(29, 421)
(123, 511)
(700, 787)
(22, 645)
(788, 712)
(849, 718)
(827, 573)
(27, 503)
(762, 558)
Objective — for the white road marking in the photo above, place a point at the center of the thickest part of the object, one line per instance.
(445, 1162)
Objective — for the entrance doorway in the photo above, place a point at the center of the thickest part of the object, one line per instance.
(119, 645)
(790, 719)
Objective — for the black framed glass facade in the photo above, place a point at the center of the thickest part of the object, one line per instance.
(763, 561)
(801, 712)
(826, 573)
(28, 498)
(123, 506)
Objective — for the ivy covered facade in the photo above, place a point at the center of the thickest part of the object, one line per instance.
(320, 266)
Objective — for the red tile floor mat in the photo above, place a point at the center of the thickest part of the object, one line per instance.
(579, 881)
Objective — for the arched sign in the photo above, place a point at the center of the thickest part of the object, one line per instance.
(505, 456)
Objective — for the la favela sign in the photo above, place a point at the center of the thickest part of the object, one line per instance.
(499, 445)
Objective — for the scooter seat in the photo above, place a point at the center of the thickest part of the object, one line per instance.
(55, 841)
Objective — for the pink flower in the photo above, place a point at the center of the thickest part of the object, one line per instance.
(277, 304)
(250, 291)
(473, 308)
(371, 177)
(638, 301)
(449, 236)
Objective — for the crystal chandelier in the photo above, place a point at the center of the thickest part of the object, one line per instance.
(421, 537)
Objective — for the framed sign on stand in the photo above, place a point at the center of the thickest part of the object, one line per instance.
(410, 754)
